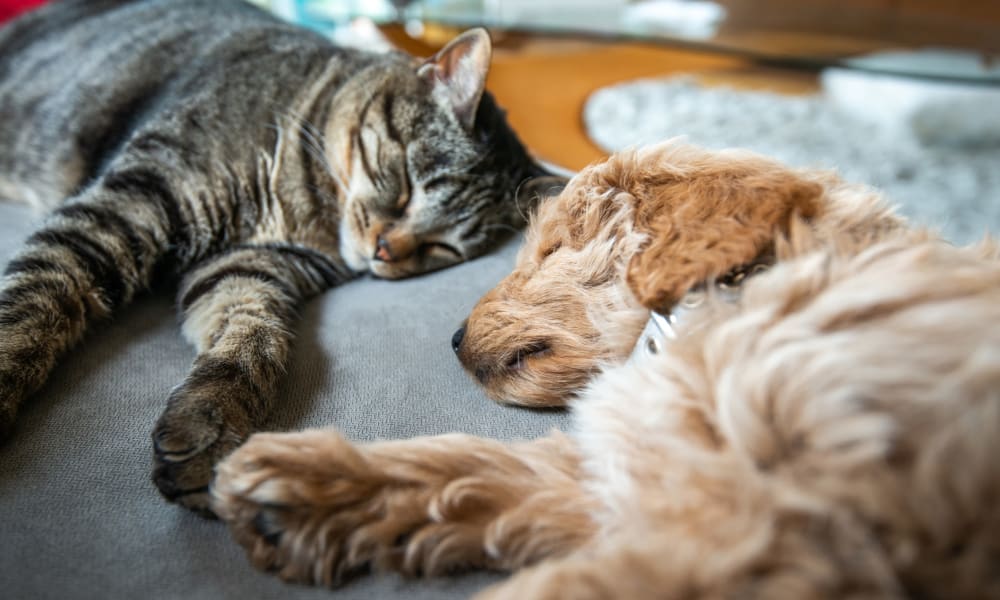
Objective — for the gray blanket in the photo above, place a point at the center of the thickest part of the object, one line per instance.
(78, 514)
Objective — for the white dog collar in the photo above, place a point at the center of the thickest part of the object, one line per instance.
(662, 328)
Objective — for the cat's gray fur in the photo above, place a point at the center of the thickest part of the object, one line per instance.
(250, 159)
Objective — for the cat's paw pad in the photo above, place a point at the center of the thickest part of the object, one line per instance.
(311, 508)
(189, 440)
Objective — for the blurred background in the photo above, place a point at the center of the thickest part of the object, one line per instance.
(903, 95)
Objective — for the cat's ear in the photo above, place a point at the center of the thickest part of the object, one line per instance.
(458, 73)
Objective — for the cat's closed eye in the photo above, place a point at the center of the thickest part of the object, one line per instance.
(435, 183)
(403, 201)
(440, 249)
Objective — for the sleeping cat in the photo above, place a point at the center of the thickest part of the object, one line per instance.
(251, 160)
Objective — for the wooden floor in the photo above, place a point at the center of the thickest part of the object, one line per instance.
(544, 87)
(543, 84)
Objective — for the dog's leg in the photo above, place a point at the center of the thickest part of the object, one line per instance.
(315, 508)
(643, 564)
(576, 577)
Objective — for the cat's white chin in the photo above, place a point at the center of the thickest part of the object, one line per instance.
(392, 270)
(353, 251)
(354, 260)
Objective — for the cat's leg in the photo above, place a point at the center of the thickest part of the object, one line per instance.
(238, 310)
(316, 508)
(90, 257)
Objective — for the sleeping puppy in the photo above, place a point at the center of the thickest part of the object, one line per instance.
(641, 229)
(827, 426)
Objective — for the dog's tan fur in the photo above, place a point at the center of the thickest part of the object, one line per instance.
(640, 230)
(833, 434)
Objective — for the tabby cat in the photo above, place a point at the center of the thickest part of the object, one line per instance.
(249, 161)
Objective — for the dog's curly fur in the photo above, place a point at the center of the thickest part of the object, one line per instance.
(637, 231)
(834, 433)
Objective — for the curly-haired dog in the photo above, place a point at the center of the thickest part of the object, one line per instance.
(638, 230)
(831, 433)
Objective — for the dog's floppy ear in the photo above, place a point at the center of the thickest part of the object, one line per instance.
(711, 221)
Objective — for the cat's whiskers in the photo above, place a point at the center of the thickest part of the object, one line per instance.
(501, 227)
(517, 199)
(313, 142)
(309, 143)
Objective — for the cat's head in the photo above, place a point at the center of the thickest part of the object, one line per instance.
(431, 168)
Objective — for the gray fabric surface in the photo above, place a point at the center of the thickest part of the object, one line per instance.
(78, 514)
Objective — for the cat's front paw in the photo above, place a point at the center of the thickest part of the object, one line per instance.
(194, 433)
(315, 509)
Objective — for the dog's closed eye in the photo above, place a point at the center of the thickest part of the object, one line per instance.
(536, 350)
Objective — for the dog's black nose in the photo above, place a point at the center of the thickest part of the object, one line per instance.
(456, 340)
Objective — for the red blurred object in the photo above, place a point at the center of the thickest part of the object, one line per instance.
(11, 8)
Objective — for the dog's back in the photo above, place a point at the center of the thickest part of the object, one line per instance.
(835, 432)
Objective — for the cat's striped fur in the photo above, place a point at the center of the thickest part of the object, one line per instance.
(251, 160)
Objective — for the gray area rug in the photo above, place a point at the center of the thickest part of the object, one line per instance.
(952, 188)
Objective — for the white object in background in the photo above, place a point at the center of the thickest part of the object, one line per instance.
(934, 112)
(586, 14)
(687, 18)
(361, 33)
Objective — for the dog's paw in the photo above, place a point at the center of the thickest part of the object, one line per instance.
(537, 583)
(190, 438)
(564, 578)
(315, 509)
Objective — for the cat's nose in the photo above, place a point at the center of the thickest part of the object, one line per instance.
(383, 251)
(394, 245)
(456, 340)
